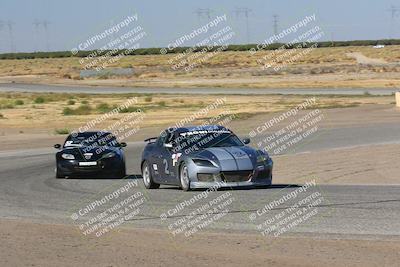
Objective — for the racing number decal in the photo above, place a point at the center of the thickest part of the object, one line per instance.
(165, 162)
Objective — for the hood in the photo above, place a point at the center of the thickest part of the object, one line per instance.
(231, 158)
(89, 153)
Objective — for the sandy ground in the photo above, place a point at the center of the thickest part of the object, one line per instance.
(32, 244)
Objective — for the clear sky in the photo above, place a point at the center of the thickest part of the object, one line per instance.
(74, 21)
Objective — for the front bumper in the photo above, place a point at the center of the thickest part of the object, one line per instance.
(103, 166)
(261, 176)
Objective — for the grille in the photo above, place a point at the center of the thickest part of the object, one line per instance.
(205, 177)
(236, 176)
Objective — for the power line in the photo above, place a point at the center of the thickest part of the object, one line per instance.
(246, 12)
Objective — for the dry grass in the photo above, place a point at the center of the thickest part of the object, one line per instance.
(323, 67)
(162, 110)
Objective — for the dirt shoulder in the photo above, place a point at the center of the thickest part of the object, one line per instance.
(33, 244)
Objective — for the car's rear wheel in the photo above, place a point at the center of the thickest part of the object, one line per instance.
(184, 177)
(148, 178)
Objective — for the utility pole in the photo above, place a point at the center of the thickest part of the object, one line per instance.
(246, 12)
(10, 25)
(395, 11)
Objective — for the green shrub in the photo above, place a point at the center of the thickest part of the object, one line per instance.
(19, 102)
(62, 131)
(39, 100)
(6, 106)
(68, 111)
(129, 110)
(162, 104)
(148, 99)
(1, 116)
(84, 102)
(81, 110)
(71, 102)
(103, 108)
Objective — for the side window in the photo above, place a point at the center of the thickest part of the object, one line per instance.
(163, 138)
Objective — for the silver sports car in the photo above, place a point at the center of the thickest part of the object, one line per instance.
(203, 157)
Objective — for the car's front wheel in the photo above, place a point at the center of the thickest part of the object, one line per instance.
(184, 177)
(120, 173)
(59, 174)
(148, 178)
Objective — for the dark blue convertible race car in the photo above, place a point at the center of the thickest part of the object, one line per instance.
(203, 157)
(90, 153)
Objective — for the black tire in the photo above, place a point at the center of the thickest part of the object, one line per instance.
(148, 178)
(59, 174)
(184, 177)
(121, 173)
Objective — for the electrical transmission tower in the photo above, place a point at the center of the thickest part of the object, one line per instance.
(10, 26)
(395, 11)
(1, 27)
(36, 24)
(246, 12)
(275, 24)
(203, 12)
(45, 24)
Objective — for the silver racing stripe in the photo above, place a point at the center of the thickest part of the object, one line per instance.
(242, 159)
(231, 158)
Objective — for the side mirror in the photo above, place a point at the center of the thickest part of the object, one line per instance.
(246, 141)
(57, 146)
(122, 144)
(168, 145)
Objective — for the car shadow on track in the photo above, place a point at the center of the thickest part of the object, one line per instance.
(100, 177)
(274, 186)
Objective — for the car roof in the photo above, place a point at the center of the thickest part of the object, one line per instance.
(90, 133)
(201, 128)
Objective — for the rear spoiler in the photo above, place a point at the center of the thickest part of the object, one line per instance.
(151, 140)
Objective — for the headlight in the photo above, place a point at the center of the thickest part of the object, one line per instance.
(68, 156)
(262, 158)
(203, 162)
(109, 155)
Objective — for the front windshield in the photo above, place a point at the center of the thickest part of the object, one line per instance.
(202, 140)
(91, 139)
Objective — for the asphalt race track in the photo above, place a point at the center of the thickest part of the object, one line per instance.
(29, 190)
(37, 88)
